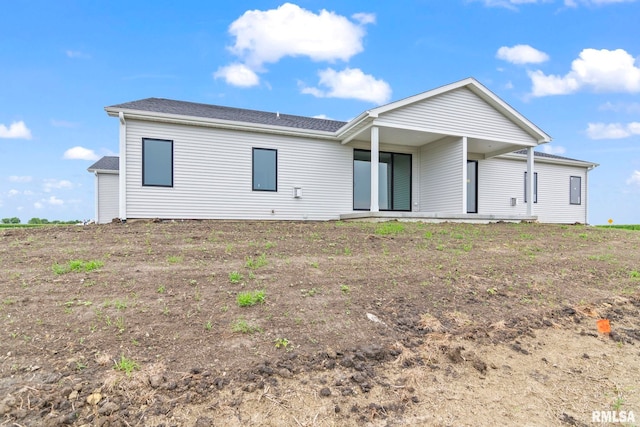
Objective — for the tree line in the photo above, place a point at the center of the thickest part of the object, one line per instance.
(16, 220)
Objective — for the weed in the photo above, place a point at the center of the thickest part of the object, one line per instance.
(235, 277)
(208, 326)
(314, 264)
(244, 327)
(269, 245)
(173, 259)
(161, 289)
(345, 289)
(387, 228)
(247, 299)
(76, 265)
(634, 274)
(583, 235)
(282, 343)
(8, 301)
(347, 251)
(492, 291)
(193, 282)
(253, 264)
(126, 365)
(526, 236)
(427, 235)
(309, 292)
(80, 366)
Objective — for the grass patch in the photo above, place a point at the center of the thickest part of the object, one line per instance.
(235, 277)
(76, 265)
(244, 327)
(126, 365)
(387, 228)
(247, 299)
(173, 259)
(253, 264)
(635, 227)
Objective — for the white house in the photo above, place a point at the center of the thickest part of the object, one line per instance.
(457, 152)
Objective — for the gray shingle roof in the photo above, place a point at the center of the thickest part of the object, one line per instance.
(549, 156)
(109, 163)
(182, 108)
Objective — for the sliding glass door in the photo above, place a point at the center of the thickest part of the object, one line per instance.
(394, 181)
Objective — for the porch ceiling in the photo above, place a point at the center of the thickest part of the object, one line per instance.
(413, 138)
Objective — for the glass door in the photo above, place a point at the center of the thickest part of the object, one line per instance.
(394, 181)
(472, 186)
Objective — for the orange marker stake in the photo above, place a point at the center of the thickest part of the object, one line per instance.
(603, 326)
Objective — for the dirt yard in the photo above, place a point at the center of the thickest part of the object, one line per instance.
(362, 324)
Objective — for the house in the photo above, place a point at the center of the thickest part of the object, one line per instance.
(457, 152)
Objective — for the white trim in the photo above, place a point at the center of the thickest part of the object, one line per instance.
(478, 89)
(464, 175)
(568, 162)
(122, 208)
(530, 180)
(96, 190)
(375, 161)
(107, 171)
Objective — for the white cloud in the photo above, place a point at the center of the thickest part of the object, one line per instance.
(364, 18)
(17, 130)
(521, 54)
(621, 107)
(267, 36)
(51, 184)
(599, 70)
(322, 116)
(612, 130)
(237, 75)
(575, 3)
(13, 192)
(634, 179)
(80, 153)
(512, 4)
(350, 83)
(553, 149)
(63, 124)
(77, 54)
(28, 193)
(53, 200)
(15, 178)
(37, 205)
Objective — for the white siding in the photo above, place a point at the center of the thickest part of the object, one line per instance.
(107, 188)
(213, 172)
(501, 179)
(459, 112)
(441, 177)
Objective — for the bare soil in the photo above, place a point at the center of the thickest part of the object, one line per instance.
(428, 324)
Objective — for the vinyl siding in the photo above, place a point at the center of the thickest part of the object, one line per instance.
(107, 197)
(441, 177)
(461, 113)
(501, 179)
(213, 172)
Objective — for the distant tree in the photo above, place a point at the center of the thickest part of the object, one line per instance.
(15, 220)
(35, 221)
(6, 220)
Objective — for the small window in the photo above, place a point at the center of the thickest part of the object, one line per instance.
(576, 190)
(535, 187)
(157, 162)
(265, 169)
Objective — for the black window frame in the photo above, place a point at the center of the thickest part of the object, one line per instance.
(579, 178)
(535, 187)
(253, 169)
(392, 174)
(144, 141)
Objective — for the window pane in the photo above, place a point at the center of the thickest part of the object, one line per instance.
(576, 184)
(535, 187)
(264, 169)
(361, 184)
(402, 182)
(157, 162)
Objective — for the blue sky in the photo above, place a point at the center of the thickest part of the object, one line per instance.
(570, 66)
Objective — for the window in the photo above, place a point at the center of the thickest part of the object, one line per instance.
(157, 162)
(535, 187)
(575, 183)
(265, 169)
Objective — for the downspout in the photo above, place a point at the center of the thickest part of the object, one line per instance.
(123, 169)
(97, 197)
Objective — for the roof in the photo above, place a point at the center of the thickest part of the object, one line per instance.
(193, 109)
(481, 91)
(107, 163)
(554, 157)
